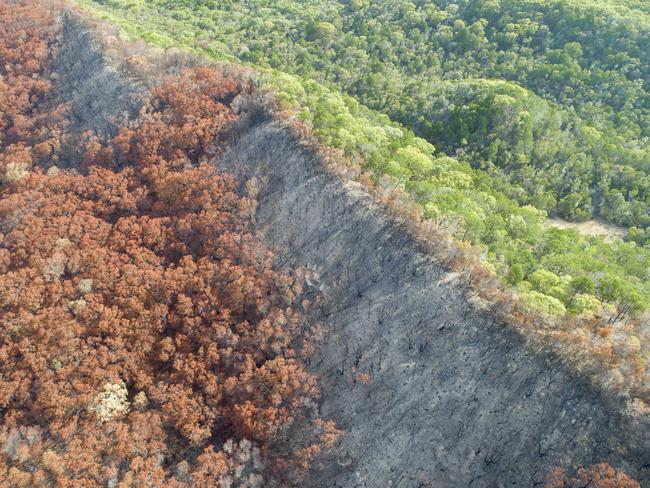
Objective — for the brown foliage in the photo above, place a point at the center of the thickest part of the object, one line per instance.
(30, 129)
(597, 476)
(146, 340)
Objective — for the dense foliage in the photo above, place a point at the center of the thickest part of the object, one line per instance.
(31, 130)
(576, 142)
(523, 154)
(146, 340)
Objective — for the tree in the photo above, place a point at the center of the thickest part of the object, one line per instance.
(613, 289)
(147, 340)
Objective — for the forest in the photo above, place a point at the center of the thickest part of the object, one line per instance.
(501, 115)
(148, 337)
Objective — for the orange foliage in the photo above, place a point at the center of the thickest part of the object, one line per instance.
(146, 340)
(597, 476)
(31, 131)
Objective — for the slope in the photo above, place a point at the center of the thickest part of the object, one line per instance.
(451, 396)
(581, 286)
(426, 388)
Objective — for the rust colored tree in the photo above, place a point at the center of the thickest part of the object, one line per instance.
(146, 339)
(31, 125)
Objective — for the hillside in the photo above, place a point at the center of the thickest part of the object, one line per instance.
(583, 107)
(425, 389)
(203, 294)
(507, 156)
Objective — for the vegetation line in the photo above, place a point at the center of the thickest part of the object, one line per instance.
(582, 287)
